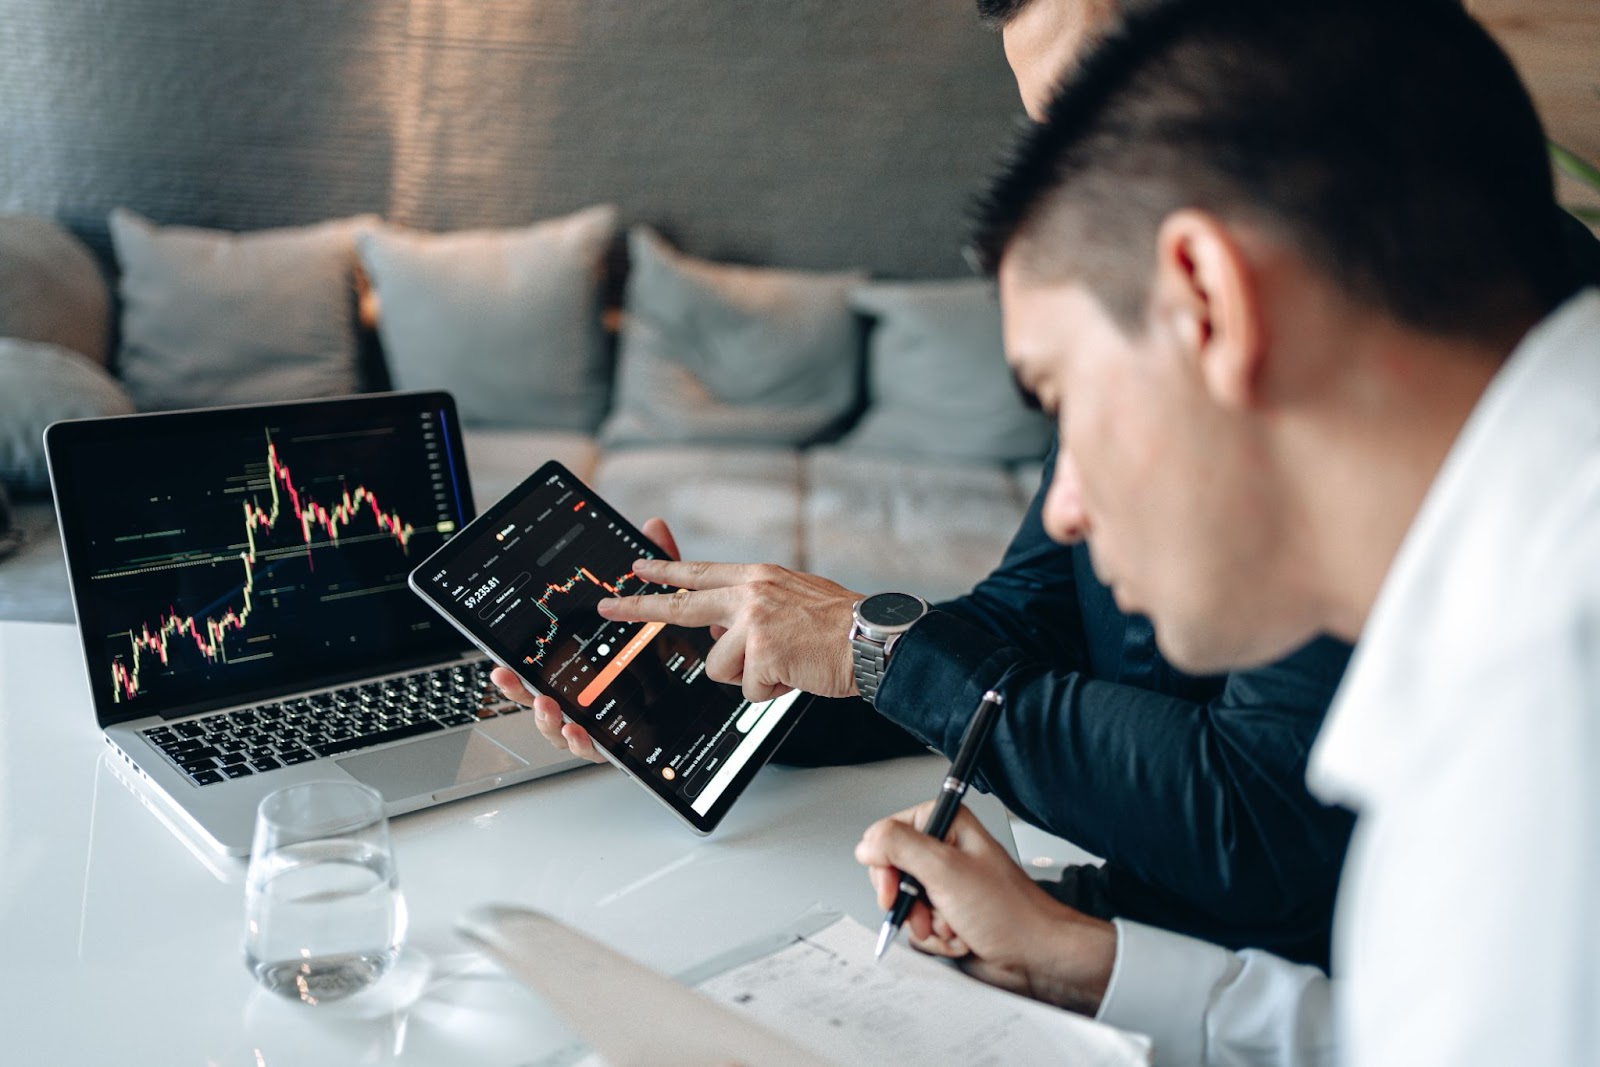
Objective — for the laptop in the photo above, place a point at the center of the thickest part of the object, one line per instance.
(239, 580)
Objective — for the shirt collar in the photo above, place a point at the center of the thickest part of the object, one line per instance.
(1513, 456)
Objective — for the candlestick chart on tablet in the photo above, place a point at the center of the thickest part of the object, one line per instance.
(537, 582)
(528, 587)
(523, 581)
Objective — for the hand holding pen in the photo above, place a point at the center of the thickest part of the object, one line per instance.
(945, 808)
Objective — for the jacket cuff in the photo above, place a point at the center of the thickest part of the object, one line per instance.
(938, 671)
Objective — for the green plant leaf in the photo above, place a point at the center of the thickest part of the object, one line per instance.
(1575, 166)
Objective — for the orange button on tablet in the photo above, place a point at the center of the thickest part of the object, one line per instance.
(610, 671)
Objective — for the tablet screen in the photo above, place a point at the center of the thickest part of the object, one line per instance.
(523, 580)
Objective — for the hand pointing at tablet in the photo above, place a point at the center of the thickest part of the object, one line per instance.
(776, 630)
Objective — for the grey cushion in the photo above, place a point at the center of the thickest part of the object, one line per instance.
(33, 579)
(218, 318)
(1028, 477)
(938, 385)
(507, 320)
(722, 354)
(500, 460)
(731, 505)
(51, 289)
(10, 534)
(39, 384)
(924, 526)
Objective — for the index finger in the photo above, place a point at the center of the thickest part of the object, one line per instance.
(695, 574)
(890, 832)
(897, 843)
(684, 607)
(915, 817)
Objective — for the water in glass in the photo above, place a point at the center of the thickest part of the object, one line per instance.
(324, 916)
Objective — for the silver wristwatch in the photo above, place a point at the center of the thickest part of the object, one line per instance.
(880, 619)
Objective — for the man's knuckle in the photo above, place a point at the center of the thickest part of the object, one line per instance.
(771, 574)
(766, 596)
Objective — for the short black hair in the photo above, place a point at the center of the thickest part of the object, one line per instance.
(1000, 12)
(1391, 144)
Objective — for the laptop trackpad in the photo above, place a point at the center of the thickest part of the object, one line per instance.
(431, 764)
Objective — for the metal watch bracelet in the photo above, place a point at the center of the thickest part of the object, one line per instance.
(870, 660)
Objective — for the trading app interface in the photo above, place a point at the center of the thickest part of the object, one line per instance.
(529, 588)
(223, 560)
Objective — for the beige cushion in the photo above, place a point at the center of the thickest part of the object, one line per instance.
(51, 289)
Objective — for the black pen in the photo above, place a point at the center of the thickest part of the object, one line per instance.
(944, 810)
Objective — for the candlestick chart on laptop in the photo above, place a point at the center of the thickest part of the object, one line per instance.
(248, 551)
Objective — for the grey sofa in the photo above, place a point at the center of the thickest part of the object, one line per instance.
(914, 479)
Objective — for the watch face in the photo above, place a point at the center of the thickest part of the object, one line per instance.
(891, 609)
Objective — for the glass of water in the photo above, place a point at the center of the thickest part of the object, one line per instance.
(324, 917)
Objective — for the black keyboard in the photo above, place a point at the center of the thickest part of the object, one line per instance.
(265, 738)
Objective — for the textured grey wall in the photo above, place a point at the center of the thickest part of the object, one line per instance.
(807, 133)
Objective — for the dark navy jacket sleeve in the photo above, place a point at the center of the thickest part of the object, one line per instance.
(1201, 809)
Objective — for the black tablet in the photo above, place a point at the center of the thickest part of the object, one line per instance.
(522, 582)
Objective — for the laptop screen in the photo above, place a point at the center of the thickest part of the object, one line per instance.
(236, 554)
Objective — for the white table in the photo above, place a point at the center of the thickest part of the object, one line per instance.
(120, 941)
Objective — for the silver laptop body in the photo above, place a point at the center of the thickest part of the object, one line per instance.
(238, 576)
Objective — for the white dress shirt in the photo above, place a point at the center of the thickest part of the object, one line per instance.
(1467, 736)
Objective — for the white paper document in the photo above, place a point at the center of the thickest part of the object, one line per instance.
(825, 991)
(810, 993)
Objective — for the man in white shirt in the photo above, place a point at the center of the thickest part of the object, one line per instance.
(1291, 278)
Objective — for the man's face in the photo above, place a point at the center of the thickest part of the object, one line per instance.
(1148, 471)
(1044, 39)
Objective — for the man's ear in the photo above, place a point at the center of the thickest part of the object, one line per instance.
(1206, 297)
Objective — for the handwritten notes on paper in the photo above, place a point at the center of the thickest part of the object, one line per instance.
(824, 991)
